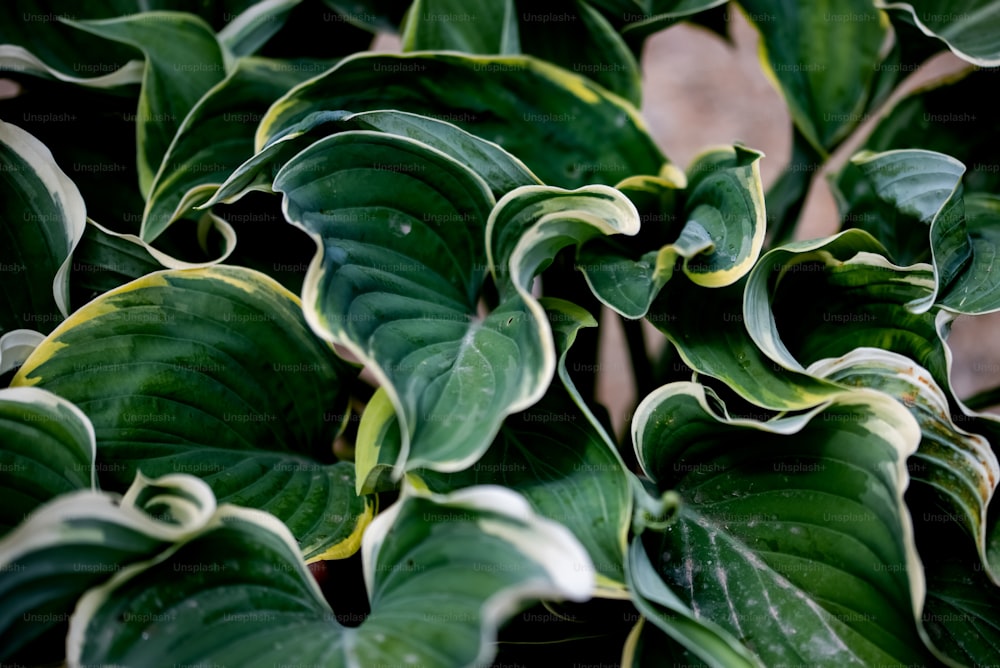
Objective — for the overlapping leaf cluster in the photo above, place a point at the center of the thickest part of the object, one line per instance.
(274, 302)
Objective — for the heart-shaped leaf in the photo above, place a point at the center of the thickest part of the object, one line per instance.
(559, 457)
(397, 281)
(797, 542)
(218, 376)
(442, 574)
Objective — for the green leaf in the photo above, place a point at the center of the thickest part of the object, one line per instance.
(35, 38)
(249, 31)
(822, 59)
(720, 346)
(552, 32)
(183, 61)
(14, 58)
(562, 460)
(976, 291)
(660, 15)
(924, 191)
(214, 139)
(554, 457)
(78, 541)
(42, 217)
(46, 449)
(968, 27)
(712, 229)
(373, 15)
(575, 36)
(399, 275)
(213, 372)
(442, 574)
(962, 241)
(531, 224)
(484, 26)
(668, 616)
(36, 35)
(501, 171)
(798, 542)
(105, 260)
(918, 189)
(568, 484)
(399, 229)
(567, 130)
(948, 115)
(16, 346)
(961, 613)
(624, 273)
(958, 468)
(819, 299)
(725, 199)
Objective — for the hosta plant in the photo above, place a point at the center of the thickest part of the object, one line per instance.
(299, 348)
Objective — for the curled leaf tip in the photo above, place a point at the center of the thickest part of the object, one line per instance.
(655, 514)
